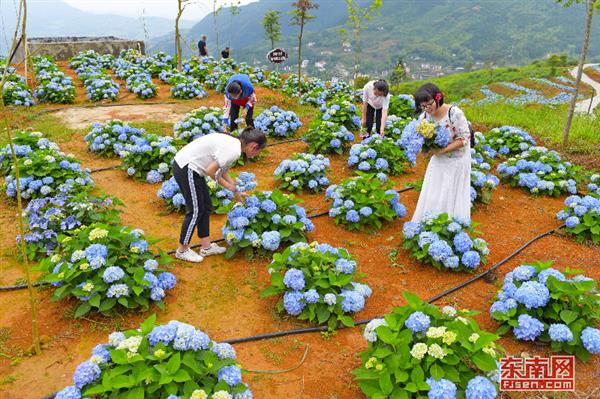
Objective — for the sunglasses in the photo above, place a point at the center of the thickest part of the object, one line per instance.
(427, 104)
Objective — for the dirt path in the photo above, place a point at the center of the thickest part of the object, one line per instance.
(583, 106)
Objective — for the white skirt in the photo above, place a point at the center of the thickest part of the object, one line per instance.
(447, 185)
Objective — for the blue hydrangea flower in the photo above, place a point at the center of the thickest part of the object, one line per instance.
(112, 274)
(102, 352)
(529, 328)
(532, 294)
(293, 302)
(591, 340)
(330, 299)
(352, 301)
(462, 242)
(417, 322)
(311, 296)
(480, 388)
(411, 229)
(294, 279)
(271, 240)
(167, 280)
(524, 273)
(439, 250)
(441, 389)
(345, 266)
(352, 216)
(560, 333)
(471, 259)
(232, 375)
(86, 373)
(70, 392)
(223, 350)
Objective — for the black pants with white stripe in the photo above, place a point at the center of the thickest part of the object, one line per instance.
(234, 113)
(198, 204)
(375, 114)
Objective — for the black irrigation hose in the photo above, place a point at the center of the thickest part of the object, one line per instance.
(283, 142)
(103, 169)
(277, 334)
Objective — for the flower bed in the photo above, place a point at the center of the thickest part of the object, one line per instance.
(402, 106)
(273, 81)
(107, 266)
(198, 123)
(15, 93)
(149, 157)
(420, 351)
(327, 138)
(24, 143)
(339, 111)
(378, 154)
(98, 85)
(540, 171)
(491, 97)
(110, 139)
(316, 97)
(174, 360)
(278, 123)
(264, 222)
(445, 243)
(184, 87)
(53, 85)
(364, 200)
(222, 198)
(303, 171)
(419, 135)
(508, 140)
(318, 284)
(47, 218)
(141, 85)
(482, 182)
(46, 173)
(582, 217)
(539, 303)
(294, 87)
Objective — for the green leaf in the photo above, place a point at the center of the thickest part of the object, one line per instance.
(136, 393)
(322, 314)
(413, 300)
(181, 376)
(82, 309)
(148, 324)
(436, 371)
(174, 363)
(568, 316)
(385, 383)
(484, 361)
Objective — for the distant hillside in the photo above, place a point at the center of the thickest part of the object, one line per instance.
(57, 18)
(450, 34)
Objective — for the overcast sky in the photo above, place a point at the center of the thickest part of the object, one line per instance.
(160, 8)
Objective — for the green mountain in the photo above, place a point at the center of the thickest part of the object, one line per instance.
(432, 36)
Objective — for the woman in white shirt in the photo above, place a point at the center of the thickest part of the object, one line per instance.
(376, 101)
(211, 155)
(447, 184)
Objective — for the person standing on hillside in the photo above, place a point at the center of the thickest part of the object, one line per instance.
(202, 48)
(239, 92)
(210, 155)
(447, 184)
(225, 53)
(376, 101)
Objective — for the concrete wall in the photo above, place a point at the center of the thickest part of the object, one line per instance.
(63, 48)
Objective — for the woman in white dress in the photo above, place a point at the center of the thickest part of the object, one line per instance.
(447, 184)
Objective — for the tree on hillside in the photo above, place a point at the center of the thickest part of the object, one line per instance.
(272, 26)
(357, 17)
(234, 9)
(590, 6)
(300, 16)
(215, 13)
(181, 4)
(399, 72)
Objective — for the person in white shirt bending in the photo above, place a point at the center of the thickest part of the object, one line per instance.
(376, 101)
(211, 155)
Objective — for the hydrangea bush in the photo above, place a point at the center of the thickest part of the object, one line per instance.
(445, 243)
(421, 135)
(316, 97)
(594, 185)
(378, 154)
(318, 284)
(173, 361)
(109, 139)
(394, 126)
(265, 221)
(107, 267)
(141, 85)
(418, 351)
(16, 93)
(295, 87)
(276, 122)
(148, 157)
(98, 85)
(581, 216)
(327, 138)
(222, 199)
(402, 106)
(303, 171)
(539, 303)
(508, 140)
(53, 86)
(339, 111)
(482, 181)
(24, 143)
(47, 218)
(540, 171)
(364, 200)
(184, 87)
(47, 173)
(198, 123)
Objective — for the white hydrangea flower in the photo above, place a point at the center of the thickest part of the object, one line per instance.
(369, 333)
(419, 350)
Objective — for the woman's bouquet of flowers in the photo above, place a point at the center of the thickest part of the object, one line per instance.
(422, 134)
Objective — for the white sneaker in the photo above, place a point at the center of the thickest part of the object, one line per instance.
(214, 249)
(189, 256)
